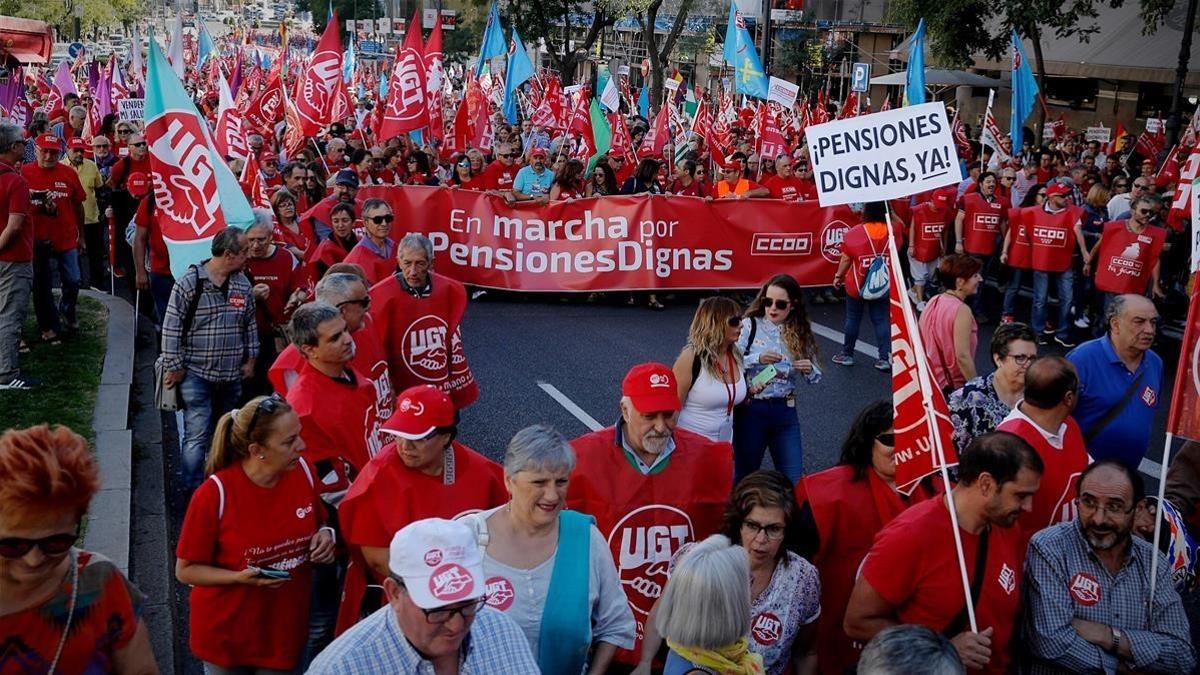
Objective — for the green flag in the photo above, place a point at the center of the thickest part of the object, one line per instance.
(601, 134)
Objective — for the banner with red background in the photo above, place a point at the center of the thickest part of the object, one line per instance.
(619, 243)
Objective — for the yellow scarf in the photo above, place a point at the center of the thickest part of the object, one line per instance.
(734, 659)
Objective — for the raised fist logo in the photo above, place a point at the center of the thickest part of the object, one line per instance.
(185, 183)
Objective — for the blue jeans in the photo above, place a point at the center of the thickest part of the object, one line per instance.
(160, 290)
(322, 614)
(1041, 286)
(44, 259)
(977, 305)
(767, 423)
(1010, 293)
(203, 403)
(880, 319)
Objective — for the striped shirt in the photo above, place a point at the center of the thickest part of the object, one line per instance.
(493, 646)
(1064, 580)
(223, 334)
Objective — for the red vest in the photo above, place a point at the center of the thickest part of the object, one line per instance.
(1124, 260)
(338, 419)
(1051, 237)
(981, 224)
(646, 519)
(928, 224)
(423, 337)
(1054, 502)
(1018, 242)
(376, 267)
(369, 359)
(848, 514)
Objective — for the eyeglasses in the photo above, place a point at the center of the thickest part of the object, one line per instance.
(54, 545)
(1023, 359)
(363, 302)
(1008, 178)
(386, 218)
(733, 321)
(1090, 504)
(773, 532)
(888, 439)
(269, 405)
(138, 145)
(444, 614)
(1145, 212)
(768, 303)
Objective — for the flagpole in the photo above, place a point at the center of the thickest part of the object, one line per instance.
(986, 114)
(318, 149)
(1162, 487)
(930, 418)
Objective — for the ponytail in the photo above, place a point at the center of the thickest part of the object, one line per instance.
(233, 434)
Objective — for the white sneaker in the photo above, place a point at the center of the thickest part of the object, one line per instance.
(1082, 322)
(912, 295)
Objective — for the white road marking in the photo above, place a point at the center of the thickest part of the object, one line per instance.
(839, 337)
(579, 413)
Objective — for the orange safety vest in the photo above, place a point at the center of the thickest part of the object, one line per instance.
(742, 187)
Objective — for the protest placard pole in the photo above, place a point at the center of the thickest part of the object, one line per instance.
(1162, 487)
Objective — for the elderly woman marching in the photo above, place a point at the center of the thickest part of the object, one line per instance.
(534, 550)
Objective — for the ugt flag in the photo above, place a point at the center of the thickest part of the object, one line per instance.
(195, 193)
(319, 86)
(748, 75)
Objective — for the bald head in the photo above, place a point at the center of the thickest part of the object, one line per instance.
(1051, 382)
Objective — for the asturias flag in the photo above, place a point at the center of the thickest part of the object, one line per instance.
(493, 40)
(519, 69)
(1024, 93)
(748, 75)
(195, 193)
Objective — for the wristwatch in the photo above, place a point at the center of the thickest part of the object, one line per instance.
(1116, 640)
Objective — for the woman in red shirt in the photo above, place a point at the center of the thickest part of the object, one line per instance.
(465, 177)
(297, 237)
(568, 182)
(62, 609)
(249, 539)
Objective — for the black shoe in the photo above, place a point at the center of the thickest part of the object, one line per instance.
(1067, 343)
(20, 383)
(1043, 339)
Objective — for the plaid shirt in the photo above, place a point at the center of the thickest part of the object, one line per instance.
(1065, 580)
(223, 334)
(494, 646)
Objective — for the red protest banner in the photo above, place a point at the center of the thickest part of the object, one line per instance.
(621, 243)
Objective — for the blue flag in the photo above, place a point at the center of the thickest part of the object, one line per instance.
(519, 69)
(749, 77)
(644, 102)
(196, 193)
(206, 47)
(493, 40)
(914, 84)
(1024, 93)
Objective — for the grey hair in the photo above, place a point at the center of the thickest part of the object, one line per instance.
(262, 218)
(1146, 198)
(335, 143)
(78, 110)
(416, 240)
(335, 288)
(374, 203)
(1116, 306)
(706, 604)
(307, 318)
(228, 240)
(10, 134)
(909, 649)
(538, 448)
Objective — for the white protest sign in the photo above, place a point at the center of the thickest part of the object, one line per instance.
(1102, 134)
(883, 155)
(783, 92)
(671, 84)
(1152, 125)
(131, 109)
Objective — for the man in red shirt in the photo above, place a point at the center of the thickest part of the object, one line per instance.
(280, 284)
(16, 256)
(498, 177)
(786, 185)
(148, 243)
(56, 196)
(1127, 257)
(1043, 418)
(912, 574)
(375, 252)
(123, 204)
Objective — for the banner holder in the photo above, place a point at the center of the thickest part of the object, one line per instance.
(930, 418)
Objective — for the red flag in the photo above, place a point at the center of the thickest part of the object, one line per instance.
(407, 107)
(820, 113)
(771, 140)
(228, 137)
(1168, 173)
(460, 139)
(318, 87)
(960, 136)
(622, 142)
(266, 109)
(1181, 204)
(1184, 417)
(548, 113)
(887, 103)
(656, 138)
(849, 106)
(1150, 144)
(253, 184)
(434, 76)
(915, 454)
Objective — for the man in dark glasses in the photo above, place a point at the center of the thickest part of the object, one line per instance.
(1127, 257)
(375, 252)
(502, 172)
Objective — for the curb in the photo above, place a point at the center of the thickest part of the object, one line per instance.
(109, 523)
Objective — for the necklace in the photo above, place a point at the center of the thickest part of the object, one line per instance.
(62, 643)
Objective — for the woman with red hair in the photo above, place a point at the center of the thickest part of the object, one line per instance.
(62, 609)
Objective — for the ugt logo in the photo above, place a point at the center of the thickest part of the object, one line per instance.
(185, 183)
(324, 73)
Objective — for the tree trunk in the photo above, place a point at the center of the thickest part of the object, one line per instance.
(656, 77)
(1039, 60)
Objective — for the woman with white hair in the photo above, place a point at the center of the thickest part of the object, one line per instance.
(704, 613)
(535, 550)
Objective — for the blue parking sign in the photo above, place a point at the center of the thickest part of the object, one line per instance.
(862, 77)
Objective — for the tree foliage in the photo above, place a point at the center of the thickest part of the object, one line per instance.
(61, 14)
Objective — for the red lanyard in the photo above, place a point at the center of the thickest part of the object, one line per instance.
(730, 387)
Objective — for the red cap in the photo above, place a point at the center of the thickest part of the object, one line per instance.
(731, 163)
(944, 196)
(1057, 189)
(651, 387)
(538, 152)
(48, 142)
(138, 184)
(419, 411)
(76, 144)
(268, 157)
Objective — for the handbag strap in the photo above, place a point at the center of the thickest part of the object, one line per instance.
(959, 622)
(1096, 427)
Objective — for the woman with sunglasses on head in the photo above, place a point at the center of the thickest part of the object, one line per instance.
(841, 511)
(604, 181)
(64, 609)
(775, 336)
(710, 370)
(252, 532)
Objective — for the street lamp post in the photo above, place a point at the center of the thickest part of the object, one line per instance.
(78, 11)
(1175, 121)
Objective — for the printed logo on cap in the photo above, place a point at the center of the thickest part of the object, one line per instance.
(424, 348)
(500, 593)
(451, 582)
(415, 407)
(1085, 589)
(766, 629)
(433, 556)
(658, 380)
(643, 543)
(831, 240)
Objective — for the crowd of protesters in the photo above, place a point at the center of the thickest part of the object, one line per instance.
(337, 524)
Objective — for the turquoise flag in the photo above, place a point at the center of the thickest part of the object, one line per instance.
(914, 87)
(195, 193)
(1024, 94)
(748, 77)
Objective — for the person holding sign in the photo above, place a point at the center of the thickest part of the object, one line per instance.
(863, 249)
(1054, 229)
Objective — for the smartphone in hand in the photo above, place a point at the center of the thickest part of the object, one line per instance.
(764, 376)
(271, 573)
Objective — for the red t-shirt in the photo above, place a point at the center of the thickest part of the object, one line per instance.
(231, 523)
(862, 249)
(1124, 259)
(14, 198)
(61, 186)
(624, 173)
(369, 359)
(282, 273)
(499, 176)
(337, 416)
(477, 182)
(791, 189)
(928, 224)
(125, 166)
(160, 260)
(305, 239)
(981, 223)
(1054, 501)
(914, 567)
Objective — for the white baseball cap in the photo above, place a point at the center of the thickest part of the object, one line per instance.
(439, 561)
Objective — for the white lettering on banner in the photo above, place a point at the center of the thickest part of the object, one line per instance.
(131, 109)
(782, 92)
(883, 155)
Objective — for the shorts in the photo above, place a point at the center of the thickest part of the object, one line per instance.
(922, 271)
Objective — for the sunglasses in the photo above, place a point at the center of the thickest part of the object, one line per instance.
(777, 304)
(413, 160)
(381, 219)
(124, 131)
(1008, 178)
(138, 145)
(1145, 212)
(511, 155)
(733, 321)
(54, 545)
(364, 302)
(887, 439)
(269, 405)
